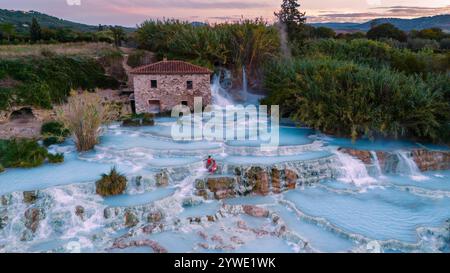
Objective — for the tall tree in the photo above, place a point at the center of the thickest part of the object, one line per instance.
(35, 31)
(7, 30)
(386, 31)
(291, 17)
(118, 35)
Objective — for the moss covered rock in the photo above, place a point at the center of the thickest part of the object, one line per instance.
(162, 179)
(131, 219)
(113, 183)
(30, 196)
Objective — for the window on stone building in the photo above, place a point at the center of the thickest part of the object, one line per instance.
(190, 85)
(184, 102)
(154, 84)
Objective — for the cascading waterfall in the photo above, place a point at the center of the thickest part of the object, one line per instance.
(352, 170)
(407, 166)
(376, 163)
(219, 95)
(331, 216)
(244, 84)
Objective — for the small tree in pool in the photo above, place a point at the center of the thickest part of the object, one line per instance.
(112, 183)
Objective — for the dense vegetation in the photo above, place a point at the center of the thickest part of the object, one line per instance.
(54, 132)
(248, 42)
(366, 87)
(378, 54)
(345, 98)
(384, 82)
(18, 27)
(25, 154)
(45, 80)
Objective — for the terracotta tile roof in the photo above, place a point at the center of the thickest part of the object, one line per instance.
(171, 67)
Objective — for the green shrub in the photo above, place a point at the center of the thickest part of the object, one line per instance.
(44, 81)
(135, 58)
(349, 99)
(247, 42)
(145, 119)
(377, 55)
(112, 183)
(130, 122)
(445, 44)
(417, 44)
(2, 169)
(22, 153)
(51, 140)
(47, 52)
(54, 132)
(54, 128)
(56, 158)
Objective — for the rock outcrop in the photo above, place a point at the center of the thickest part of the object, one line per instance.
(162, 179)
(363, 155)
(30, 197)
(253, 180)
(131, 219)
(426, 160)
(32, 219)
(256, 211)
(79, 211)
(122, 244)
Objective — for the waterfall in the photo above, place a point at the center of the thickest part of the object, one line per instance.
(407, 166)
(244, 84)
(220, 97)
(352, 170)
(376, 163)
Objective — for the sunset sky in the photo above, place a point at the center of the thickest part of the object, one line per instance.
(132, 12)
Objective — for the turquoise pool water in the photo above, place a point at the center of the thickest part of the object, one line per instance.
(402, 212)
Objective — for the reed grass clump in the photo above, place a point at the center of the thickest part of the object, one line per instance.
(112, 183)
(83, 115)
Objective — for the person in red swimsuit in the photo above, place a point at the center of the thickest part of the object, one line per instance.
(211, 165)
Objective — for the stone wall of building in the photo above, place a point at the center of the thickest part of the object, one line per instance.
(171, 90)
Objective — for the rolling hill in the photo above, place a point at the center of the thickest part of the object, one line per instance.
(22, 21)
(440, 21)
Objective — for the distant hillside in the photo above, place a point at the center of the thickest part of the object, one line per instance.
(22, 20)
(440, 21)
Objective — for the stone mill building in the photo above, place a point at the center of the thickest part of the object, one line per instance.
(158, 87)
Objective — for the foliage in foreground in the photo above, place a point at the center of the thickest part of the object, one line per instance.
(55, 158)
(54, 132)
(135, 120)
(83, 115)
(21, 153)
(25, 153)
(349, 99)
(112, 183)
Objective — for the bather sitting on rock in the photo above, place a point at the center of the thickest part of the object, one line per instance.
(211, 165)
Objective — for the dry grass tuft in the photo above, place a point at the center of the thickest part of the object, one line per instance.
(83, 115)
